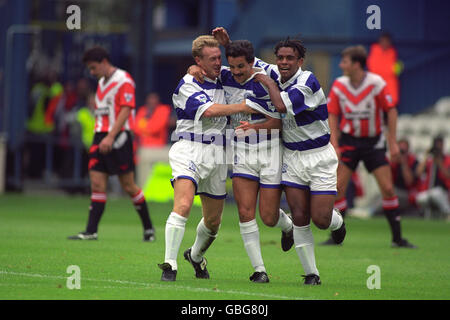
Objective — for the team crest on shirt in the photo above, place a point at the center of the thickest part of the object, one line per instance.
(389, 98)
(192, 166)
(128, 96)
(202, 98)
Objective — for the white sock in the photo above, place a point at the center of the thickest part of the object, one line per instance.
(175, 226)
(203, 240)
(250, 237)
(304, 245)
(336, 220)
(284, 222)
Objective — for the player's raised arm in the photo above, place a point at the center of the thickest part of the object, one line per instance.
(274, 92)
(222, 36)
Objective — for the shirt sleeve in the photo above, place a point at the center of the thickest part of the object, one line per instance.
(125, 96)
(263, 106)
(192, 102)
(384, 99)
(300, 98)
(333, 104)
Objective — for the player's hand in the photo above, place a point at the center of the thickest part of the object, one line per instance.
(394, 152)
(245, 125)
(197, 72)
(244, 129)
(105, 145)
(263, 78)
(221, 35)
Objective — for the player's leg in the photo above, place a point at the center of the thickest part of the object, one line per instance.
(299, 204)
(322, 168)
(184, 191)
(269, 204)
(383, 177)
(348, 162)
(270, 160)
(329, 181)
(207, 230)
(246, 193)
(325, 216)
(344, 174)
(98, 181)
(132, 189)
(273, 216)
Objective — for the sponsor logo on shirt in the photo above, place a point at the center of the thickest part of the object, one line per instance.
(202, 98)
(102, 111)
(128, 97)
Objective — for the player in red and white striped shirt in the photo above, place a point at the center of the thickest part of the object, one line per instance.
(360, 99)
(112, 150)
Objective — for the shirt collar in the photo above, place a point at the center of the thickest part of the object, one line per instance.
(292, 79)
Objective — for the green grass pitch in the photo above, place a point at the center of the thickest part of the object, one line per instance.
(35, 255)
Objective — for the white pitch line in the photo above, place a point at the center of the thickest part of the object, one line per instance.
(156, 286)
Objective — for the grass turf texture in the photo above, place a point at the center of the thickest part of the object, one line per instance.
(35, 254)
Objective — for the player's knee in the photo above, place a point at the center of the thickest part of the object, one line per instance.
(129, 187)
(213, 223)
(321, 221)
(183, 208)
(246, 213)
(270, 219)
(98, 186)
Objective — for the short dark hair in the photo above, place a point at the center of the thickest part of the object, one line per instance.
(239, 48)
(95, 54)
(357, 54)
(295, 44)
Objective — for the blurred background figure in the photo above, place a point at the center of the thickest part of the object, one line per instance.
(404, 177)
(152, 132)
(434, 172)
(382, 60)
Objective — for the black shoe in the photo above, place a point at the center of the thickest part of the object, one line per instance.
(200, 267)
(312, 279)
(403, 243)
(84, 236)
(259, 277)
(149, 235)
(329, 242)
(339, 235)
(287, 238)
(168, 274)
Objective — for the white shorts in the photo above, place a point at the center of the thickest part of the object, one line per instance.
(260, 162)
(314, 170)
(201, 163)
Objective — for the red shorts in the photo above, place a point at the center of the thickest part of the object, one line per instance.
(121, 158)
(371, 151)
